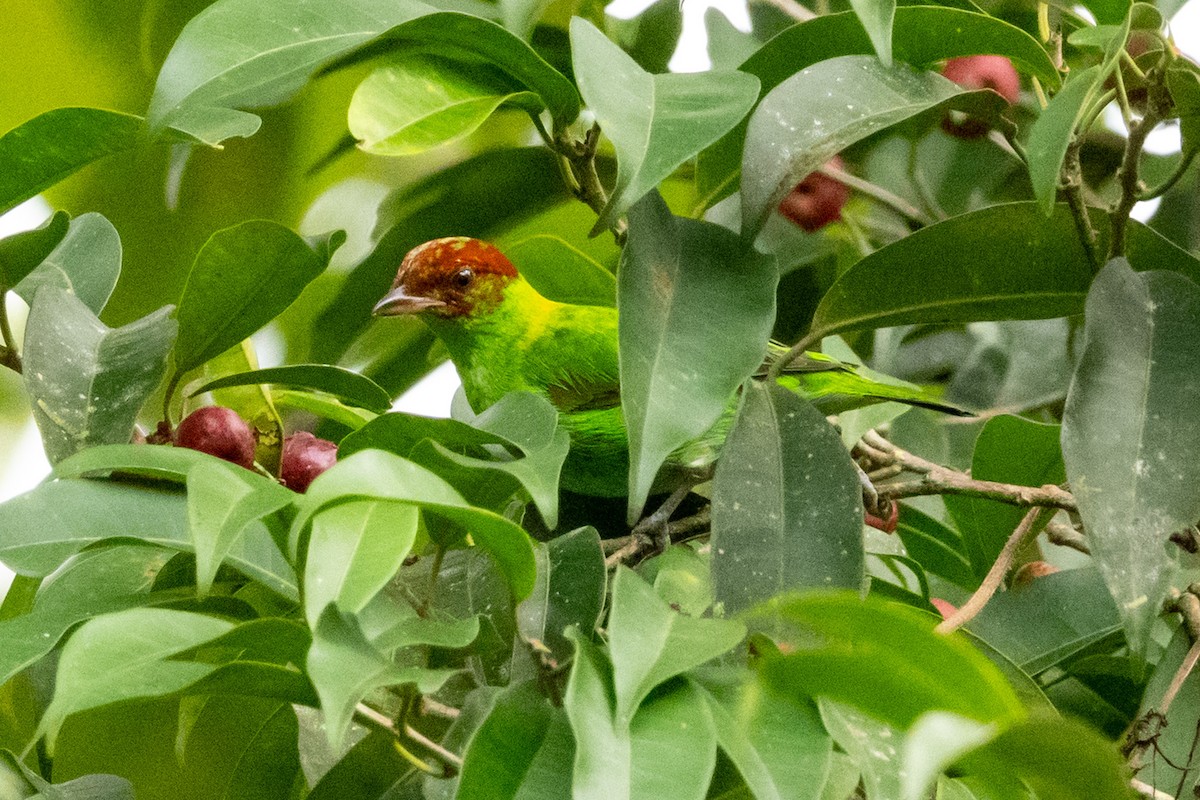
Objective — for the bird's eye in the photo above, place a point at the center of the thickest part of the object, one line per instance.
(462, 278)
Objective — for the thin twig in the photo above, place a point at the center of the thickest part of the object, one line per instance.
(1064, 535)
(450, 762)
(628, 548)
(879, 193)
(1030, 525)
(433, 747)
(1073, 191)
(1128, 179)
(1147, 790)
(432, 708)
(585, 183)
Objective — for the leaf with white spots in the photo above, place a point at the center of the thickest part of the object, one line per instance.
(696, 313)
(1131, 433)
(786, 504)
(87, 381)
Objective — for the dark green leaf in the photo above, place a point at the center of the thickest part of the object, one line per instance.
(371, 768)
(651, 643)
(569, 590)
(243, 278)
(85, 262)
(922, 36)
(1009, 450)
(876, 17)
(344, 384)
(344, 667)
(399, 433)
(240, 747)
(1174, 742)
(884, 659)
(655, 122)
(787, 504)
(374, 474)
(696, 314)
(88, 381)
(975, 267)
(41, 152)
(1185, 92)
(355, 549)
(1052, 132)
(22, 252)
(413, 103)
(96, 669)
(1129, 434)
(823, 109)
(937, 548)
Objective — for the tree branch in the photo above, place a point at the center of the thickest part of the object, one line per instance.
(585, 182)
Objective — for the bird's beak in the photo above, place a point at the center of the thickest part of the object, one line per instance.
(398, 301)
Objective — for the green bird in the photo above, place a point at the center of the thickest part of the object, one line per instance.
(504, 336)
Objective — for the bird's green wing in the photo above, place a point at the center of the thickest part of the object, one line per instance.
(574, 356)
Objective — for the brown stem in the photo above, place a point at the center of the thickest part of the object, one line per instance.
(629, 548)
(585, 181)
(1031, 523)
(1127, 178)
(1073, 191)
(9, 355)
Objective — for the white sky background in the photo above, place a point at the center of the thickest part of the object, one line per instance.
(23, 464)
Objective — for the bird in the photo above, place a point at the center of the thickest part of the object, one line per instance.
(504, 336)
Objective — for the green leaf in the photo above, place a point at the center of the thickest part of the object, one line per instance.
(922, 36)
(1129, 433)
(615, 759)
(88, 381)
(55, 145)
(126, 655)
(787, 504)
(655, 122)
(935, 741)
(85, 262)
(1051, 134)
(1184, 84)
(871, 745)
(376, 475)
(823, 109)
(344, 667)
(172, 464)
(937, 548)
(696, 313)
(884, 659)
(651, 643)
(1074, 611)
(22, 252)
(877, 17)
(1174, 738)
(206, 77)
(975, 267)
(243, 278)
(569, 590)
(560, 271)
(523, 748)
(355, 549)
(413, 103)
(344, 384)
(241, 747)
(778, 745)
(94, 582)
(1009, 450)
(367, 772)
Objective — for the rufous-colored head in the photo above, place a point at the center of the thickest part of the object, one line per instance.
(451, 277)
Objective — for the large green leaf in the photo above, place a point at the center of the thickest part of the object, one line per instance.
(88, 381)
(696, 313)
(22, 252)
(569, 590)
(922, 36)
(377, 475)
(125, 655)
(355, 549)
(1051, 134)
(1009, 450)
(41, 152)
(559, 270)
(984, 265)
(884, 659)
(787, 504)
(779, 746)
(1129, 433)
(86, 261)
(243, 278)
(207, 76)
(655, 122)
(95, 582)
(823, 109)
(651, 643)
(938, 548)
(413, 103)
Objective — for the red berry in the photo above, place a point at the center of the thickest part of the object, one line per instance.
(817, 200)
(304, 457)
(980, 72)
(886, 523)
(220, 432)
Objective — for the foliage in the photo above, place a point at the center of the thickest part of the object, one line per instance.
(434, 617)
